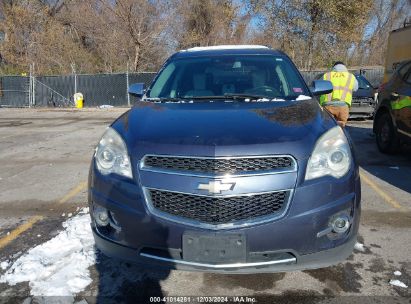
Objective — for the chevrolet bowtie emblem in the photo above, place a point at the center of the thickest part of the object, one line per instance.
(216, 187)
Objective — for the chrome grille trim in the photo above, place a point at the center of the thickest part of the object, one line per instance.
(221, 266)
(292, 168)
(232, 225)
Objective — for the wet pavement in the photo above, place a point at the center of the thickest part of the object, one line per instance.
(44, 160)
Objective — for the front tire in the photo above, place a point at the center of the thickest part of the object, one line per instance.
(386, 135)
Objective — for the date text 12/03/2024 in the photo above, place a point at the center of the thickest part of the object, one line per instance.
(203, 299)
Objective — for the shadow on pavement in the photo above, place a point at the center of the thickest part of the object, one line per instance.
(393, 169)
(124, 282)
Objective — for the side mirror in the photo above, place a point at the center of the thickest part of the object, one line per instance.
(136, 89)
(321, 87)
(394, 96)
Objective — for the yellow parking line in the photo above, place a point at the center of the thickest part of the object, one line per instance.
(387, 198)
(73, 192)
(4, 241)
(19, 230)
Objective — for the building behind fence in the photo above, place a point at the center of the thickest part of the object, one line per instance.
(98, 89)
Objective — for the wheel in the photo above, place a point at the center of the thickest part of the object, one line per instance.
(386, 135)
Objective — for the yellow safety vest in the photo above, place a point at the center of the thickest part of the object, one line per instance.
(401, 103)
(343, 85)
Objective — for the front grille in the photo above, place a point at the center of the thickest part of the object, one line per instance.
(217, 166)
(218, 210)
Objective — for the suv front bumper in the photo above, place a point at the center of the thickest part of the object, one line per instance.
(293, 242)
(319, 259)
(361, 107)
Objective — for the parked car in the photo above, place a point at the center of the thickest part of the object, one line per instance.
(227, 164)
(363, 100)
(392, 122)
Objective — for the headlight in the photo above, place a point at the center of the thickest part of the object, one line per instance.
(112, 156)
(331, 155)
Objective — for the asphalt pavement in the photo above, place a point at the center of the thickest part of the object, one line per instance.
(44, 160)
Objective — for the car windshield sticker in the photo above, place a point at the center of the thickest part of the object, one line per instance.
(297, 90)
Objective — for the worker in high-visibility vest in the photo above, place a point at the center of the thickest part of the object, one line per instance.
(338, 102)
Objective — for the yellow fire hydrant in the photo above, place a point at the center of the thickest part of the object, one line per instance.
(78, 100)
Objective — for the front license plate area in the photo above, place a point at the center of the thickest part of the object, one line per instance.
(214, 248)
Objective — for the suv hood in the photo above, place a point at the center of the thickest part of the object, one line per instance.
(223, 128)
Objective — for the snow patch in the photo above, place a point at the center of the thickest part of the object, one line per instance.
(303, 97)
(397, 273)
(359, 247)
(398, 283)
(84, 210)
(4, 265)
(58, 267)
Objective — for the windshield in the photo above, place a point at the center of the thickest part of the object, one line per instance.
(272, 77)
(363, 83)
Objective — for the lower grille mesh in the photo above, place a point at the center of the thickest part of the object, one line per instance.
(218, 210)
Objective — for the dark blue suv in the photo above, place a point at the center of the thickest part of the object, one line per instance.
(227, 164)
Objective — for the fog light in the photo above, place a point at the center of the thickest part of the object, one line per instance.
(100, 215)
(341, 224)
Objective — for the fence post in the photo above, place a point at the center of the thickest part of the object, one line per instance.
(32, 98)
(73, 68)
(34, 90)
(30, 86)
(127, 85)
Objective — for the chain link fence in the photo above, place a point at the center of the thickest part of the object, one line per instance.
(99, 89)
(14, 91)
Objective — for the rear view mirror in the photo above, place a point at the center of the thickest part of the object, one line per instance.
(321, 87)
(136, 89)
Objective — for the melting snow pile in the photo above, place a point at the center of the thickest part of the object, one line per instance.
(58, 267)
(360, 247)
(4, 265)
(398, 283)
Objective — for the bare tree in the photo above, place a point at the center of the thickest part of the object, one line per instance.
(385, 16)
(109, 36)
(210, 22)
